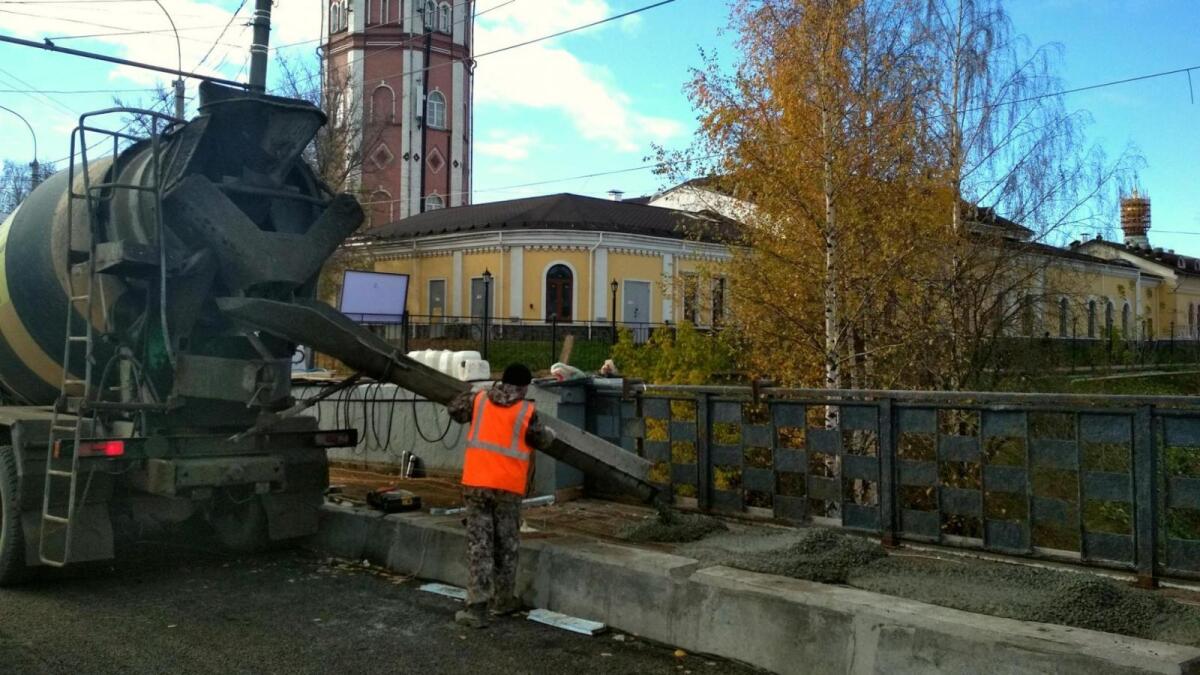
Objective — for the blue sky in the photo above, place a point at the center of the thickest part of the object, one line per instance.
(595, 100)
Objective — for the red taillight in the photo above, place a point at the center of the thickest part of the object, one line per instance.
(114, 448)
(335, 439)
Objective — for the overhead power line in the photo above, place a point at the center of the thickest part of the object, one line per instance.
(223, 31)
(525, 43)
(667, 163)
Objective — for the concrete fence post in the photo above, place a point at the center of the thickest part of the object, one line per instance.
(703, 456)
(889, 521)
(1145, 486)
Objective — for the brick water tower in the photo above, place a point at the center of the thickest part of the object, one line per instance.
(407, 69)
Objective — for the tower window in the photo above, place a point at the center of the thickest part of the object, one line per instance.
(444, 14)
(435, 110)
(433, 202)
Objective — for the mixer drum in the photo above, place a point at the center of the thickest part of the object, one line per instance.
(242, 215)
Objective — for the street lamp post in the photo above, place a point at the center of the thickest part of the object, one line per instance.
(487, 295)
(614, 286)
(35, 176)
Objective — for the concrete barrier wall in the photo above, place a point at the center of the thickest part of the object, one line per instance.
(784, 625)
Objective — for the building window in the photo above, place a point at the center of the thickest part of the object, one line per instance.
(560, 288)
(1028, 320)
(478, 288)
(434, 202)
(435, 110)
(380, 208)
(690, 287)
(1109, 312)
(1091, 306)
(444, 13)
(1064, 318)
(718, 301)
(437, 298)
(1125, 321)
(1191, 320)
(383, 105)
(430, 17)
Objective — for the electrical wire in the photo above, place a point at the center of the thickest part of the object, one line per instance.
(221, 35)
(475, 57)
(667, 163)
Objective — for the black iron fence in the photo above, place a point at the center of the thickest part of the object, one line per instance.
(1110, 481)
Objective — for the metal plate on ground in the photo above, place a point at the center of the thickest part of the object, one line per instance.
(446, 590)
(565, 622)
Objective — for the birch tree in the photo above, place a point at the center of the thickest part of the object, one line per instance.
(817, 126)
(1003, 141)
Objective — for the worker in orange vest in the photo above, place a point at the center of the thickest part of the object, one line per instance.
(497, 472)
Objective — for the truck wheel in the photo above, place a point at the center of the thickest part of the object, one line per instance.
(12, 539)
(240, 526)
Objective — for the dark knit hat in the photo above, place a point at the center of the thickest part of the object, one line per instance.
(518, 375)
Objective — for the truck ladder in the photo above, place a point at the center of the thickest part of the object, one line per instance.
(74, 418)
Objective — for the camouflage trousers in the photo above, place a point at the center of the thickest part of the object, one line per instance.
(493, 535)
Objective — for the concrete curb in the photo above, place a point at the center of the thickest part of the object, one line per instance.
(781, 624)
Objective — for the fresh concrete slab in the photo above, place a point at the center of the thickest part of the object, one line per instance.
(781, 624)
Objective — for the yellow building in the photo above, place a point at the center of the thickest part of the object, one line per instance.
(574, 259)
(557, 257)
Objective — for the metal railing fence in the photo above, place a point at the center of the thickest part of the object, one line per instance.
(1110, 481)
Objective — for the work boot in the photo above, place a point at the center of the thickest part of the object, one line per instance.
(472, 616)
(506, 605)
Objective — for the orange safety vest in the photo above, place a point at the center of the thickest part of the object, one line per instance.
(497, 455)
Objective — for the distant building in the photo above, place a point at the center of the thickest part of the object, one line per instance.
(407, 67)
(1166, 298)
(557, 256)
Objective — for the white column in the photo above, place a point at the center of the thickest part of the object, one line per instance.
(417, 167)
(600, 280)
(403, 203)
(456, 284)
(458, 110)
(516, 284)
(668, 272)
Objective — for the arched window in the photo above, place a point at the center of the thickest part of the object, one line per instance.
(381, 208)
(1091, 307)
(1125, 321)
(1064, 318)
(435, 110)
(1191, 320)
(383, 105)
(560, 290)
(430, 17)
(1028, 315)
(444, 14)
(335, 17)
(1109, 313)
(434, 202)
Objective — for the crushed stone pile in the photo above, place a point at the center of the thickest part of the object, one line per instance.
(822, 555)
(1027, 593)
(672, 526)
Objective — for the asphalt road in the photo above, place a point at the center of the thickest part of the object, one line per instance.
(173, 610)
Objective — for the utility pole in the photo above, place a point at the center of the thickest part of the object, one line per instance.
(260, 46)
(179, 100)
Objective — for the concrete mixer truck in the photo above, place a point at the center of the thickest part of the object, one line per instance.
(151, 297)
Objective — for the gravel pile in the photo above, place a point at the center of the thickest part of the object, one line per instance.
(671, 526)
(1033, 594)
(822, 555)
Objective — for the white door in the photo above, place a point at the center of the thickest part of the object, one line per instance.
(637, 309)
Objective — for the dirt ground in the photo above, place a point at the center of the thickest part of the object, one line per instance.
(1058, 594)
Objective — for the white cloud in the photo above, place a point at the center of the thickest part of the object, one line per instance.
(200, 25)
(547, 76)
(504, 146)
